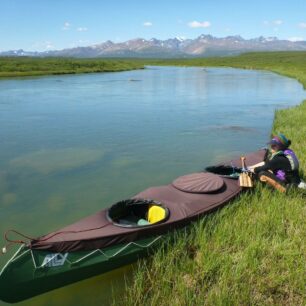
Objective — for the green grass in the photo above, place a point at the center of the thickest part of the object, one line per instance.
(252, 252)
(292, 64)
(249, 253)
(30, 66)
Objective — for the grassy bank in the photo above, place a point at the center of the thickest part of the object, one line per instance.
(292, 64)
(252, 252)
(29, 66)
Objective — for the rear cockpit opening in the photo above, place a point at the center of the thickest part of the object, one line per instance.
(224, 171)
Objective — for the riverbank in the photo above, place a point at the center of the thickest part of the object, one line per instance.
(291, 64)
(30, 66)
(251, 252)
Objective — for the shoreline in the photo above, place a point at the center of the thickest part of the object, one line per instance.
(290, 64)
(11, 67)
(249, 252)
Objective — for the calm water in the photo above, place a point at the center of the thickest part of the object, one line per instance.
(71, 145)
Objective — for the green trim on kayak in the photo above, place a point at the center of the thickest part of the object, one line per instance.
(32, 272)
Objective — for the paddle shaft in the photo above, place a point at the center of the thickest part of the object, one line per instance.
(244, 178)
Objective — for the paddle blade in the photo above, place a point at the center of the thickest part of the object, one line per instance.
(245, 180)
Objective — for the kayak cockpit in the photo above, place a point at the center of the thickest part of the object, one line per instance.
(225, 171)
(137, 213)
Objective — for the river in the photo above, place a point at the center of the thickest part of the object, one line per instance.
(73, 144)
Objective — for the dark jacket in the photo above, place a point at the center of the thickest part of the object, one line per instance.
(280, 162)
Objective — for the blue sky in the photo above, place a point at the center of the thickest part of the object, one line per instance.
(56, 24)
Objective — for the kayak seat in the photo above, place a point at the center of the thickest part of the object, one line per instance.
(156, 213)
(128, 220)
(142, 222)
(137, 213)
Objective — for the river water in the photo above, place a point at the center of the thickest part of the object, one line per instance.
(71, 145)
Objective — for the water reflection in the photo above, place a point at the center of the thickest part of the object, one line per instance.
(95, 291)
(71, 145)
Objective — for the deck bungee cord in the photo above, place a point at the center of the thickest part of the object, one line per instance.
(12, 242)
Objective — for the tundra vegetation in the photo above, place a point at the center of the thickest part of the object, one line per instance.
(252, 252)
(32, 66)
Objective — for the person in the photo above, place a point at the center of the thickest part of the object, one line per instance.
(282, 168)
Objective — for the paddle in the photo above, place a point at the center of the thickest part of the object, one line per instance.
(244, 177)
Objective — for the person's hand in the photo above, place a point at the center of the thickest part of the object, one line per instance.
(251, 169)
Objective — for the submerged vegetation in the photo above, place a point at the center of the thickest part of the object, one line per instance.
(31, 66)
(252, 252)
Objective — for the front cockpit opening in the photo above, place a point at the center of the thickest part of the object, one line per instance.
(137, 213)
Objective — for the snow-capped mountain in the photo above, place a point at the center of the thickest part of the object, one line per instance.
(204, 45)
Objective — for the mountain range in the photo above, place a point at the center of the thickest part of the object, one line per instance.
(204, 45)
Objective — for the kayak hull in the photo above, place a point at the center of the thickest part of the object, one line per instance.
(32, 272)
(95, 244)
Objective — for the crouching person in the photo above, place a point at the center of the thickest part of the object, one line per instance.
(282, 168)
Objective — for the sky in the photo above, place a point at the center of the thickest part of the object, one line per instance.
(57, 24)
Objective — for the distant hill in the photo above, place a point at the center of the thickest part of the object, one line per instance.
(204, 45)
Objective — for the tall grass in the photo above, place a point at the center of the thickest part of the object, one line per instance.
(292, 122)
(30, 66)
(252, 252)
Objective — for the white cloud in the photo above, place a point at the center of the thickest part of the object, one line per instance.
(66, 26)
(43, 46)
(278, 22)
(197, 24)
(296, 39)
(148, 24)
(82, 29)
(273, 23)
(80, 43)
(83, 41)
(302, 25)
(49, 45)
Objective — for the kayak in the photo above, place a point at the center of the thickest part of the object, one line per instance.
(118, 235)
